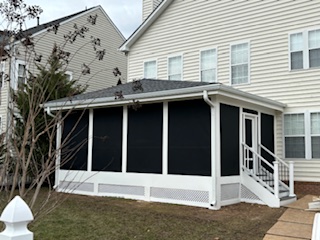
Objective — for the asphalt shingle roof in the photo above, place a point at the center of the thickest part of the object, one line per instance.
(148, 86)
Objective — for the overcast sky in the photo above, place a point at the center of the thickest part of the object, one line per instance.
(126, 14)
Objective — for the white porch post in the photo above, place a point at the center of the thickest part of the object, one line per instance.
(276, 178)
(291, 179)
(124, 138)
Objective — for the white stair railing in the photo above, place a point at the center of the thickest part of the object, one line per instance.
(279, 173)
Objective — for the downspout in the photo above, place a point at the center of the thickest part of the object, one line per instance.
(214, 182)
(49, 112)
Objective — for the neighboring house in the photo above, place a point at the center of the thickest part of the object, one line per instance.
(81, 52)
(237, 108)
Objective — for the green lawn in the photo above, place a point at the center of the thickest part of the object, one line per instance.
(83, 217)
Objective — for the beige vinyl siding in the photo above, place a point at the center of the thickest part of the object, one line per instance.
(188, 26)
(147, 7)
(82, 51)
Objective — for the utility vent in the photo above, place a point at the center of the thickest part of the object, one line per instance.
(121, 189)
(76, 186)
(230, 191)
(180, 194)
(248, 195)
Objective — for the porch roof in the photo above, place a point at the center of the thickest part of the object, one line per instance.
(151, 90)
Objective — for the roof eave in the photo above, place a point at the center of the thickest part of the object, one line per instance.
(170, 95)
(125, 47)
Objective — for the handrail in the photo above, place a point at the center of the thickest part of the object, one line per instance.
(262, 158)
(273, 155)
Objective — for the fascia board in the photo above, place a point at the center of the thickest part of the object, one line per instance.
(125, 47)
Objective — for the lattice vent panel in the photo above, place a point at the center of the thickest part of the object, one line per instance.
(230, 191)
(121, 189)
(76, 186)
(247, 194)
(180, 194)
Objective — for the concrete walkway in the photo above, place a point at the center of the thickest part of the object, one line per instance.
(295, 223)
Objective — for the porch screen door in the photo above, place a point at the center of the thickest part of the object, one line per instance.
(250, 138)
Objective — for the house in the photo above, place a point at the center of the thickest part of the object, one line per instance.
(267, 48)
(21, 60)
(235, 117)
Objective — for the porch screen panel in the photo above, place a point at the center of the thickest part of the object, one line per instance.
(145, 139)
(189, 136)
(229, 142)
(74, 151)
(107, 139)
(267, 136)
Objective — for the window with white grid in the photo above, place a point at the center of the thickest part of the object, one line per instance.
(175, 68)
(150, 70)
(315, 135)
(304, 49)
(21, 75)
(208, 65)
(240, 63)
(294, 133)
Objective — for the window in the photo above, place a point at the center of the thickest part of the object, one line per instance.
(240, 63)
(305, 49)
(315, 135)
(21, 75)
(150, 70)
(69, 75)
(302, 135)
(175, 68)
(294, 132)
(208, 65)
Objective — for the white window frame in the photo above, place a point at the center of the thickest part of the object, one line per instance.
(17, 63)
(144, 68)
(248, 62)
(173, 56)
(69, 73)
(305, 50)
(307, 134)
(215, 67)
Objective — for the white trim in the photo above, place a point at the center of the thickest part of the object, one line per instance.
(230, 62)
(173, 56)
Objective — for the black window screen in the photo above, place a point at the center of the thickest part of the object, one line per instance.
(107, 139)
(189, 138)
(267, 135)
(229, 143)
(75, 141)
(145, 139)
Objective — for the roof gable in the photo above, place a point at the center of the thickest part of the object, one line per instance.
(125, 47)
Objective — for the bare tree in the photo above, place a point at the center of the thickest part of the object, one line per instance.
(29, 149)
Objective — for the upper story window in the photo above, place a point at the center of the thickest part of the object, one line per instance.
(150, 69)
(239, 63)
(305, 49)
(208, 65)
(21, 75)
(175, 68)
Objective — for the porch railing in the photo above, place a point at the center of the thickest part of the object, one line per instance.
(270, 175)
